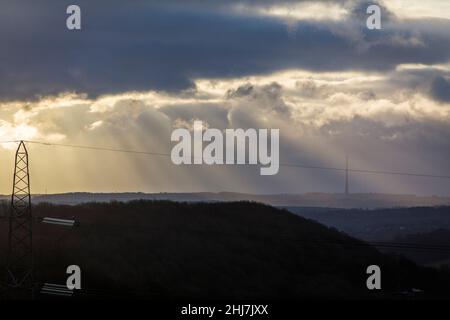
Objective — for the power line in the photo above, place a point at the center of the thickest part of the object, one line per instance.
(351, 243)
(413, 174)
(380, 244)
(357, 243)
(98, 148)
(281, 237)
(288, 165)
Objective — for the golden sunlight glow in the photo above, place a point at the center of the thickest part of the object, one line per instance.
(419, 9)
(297, 11)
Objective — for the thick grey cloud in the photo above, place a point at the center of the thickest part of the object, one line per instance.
(213, 114)
(391, 139)
(157, 45)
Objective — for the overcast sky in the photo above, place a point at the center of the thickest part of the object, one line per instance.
(139, 69)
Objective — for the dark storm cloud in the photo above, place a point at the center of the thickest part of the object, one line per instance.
(143, 45)
(440, 89)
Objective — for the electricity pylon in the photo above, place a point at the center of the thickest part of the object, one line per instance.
(20, 249)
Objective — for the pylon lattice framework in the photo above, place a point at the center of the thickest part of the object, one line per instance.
(20, 249)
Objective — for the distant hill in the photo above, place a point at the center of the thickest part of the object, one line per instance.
(333, 200)
(418, 225)
(383, 224)
(238, 250)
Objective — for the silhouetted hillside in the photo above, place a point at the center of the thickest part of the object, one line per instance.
(429, 257)
(161, 249)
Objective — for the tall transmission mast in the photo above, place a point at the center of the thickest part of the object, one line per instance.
(346, 175)
(20, 249)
